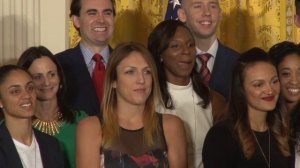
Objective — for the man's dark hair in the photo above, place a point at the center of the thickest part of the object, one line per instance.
(76, 7)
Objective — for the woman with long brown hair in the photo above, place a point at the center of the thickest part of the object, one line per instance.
(256, 132)
(130, 133)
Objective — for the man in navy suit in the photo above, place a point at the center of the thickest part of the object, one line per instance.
(94, 19)
(203, 18)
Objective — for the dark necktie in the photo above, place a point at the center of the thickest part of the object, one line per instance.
(99, 75)
(204, 71)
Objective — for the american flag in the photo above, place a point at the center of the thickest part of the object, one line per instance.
(171, 13)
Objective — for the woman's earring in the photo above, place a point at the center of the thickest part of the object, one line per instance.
(161, 60)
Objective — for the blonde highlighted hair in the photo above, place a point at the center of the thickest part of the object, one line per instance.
(110, 126)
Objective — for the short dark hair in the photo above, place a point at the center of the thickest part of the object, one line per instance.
(33, 53)
(76, 7)
(5, 70)
(297, 5)
(280, 50)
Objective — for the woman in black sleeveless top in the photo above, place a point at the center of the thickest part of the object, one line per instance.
(130, 133)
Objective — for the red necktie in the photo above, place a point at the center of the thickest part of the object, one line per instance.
(99, 75)
(204, 71)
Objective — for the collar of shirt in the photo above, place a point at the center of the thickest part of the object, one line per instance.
(212, 51)
(88, 55)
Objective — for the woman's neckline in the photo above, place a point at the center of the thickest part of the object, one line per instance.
(132, 130)
(179, 87)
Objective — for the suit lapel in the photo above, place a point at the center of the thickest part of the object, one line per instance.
(43, 146)
(6, 143)
(84, 78)
(219, 65)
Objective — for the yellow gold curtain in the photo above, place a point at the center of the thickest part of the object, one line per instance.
(261, 23)
(245, 23)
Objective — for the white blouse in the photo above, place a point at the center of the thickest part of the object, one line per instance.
(30, 155)
(197, 121)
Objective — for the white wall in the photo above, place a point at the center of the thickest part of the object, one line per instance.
(25, 23)
(54, 24)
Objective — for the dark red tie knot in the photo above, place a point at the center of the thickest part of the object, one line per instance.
(204, 71)
(204, 57)
(97, 57)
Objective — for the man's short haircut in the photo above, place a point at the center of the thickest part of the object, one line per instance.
(76, 7)
(181, 1)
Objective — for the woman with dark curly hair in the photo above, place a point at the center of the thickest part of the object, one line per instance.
(286, 56)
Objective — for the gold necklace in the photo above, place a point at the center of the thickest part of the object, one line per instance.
(49, 127)
(268, 162)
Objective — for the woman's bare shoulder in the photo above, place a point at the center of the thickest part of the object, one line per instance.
(89, 125)
(171, 121)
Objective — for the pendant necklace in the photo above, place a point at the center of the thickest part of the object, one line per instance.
(268, 161)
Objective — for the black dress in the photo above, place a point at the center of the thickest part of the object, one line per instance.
(130, 151)
(222, 150)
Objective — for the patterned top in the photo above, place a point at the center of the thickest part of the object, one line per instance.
(131, 151)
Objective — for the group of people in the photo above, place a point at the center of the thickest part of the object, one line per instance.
(185, 100)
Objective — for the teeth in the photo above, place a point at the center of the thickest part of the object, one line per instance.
(206, 22)
(294, 91)
(99, 29)
(26, 105)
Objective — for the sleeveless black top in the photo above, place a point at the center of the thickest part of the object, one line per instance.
(130, 151)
